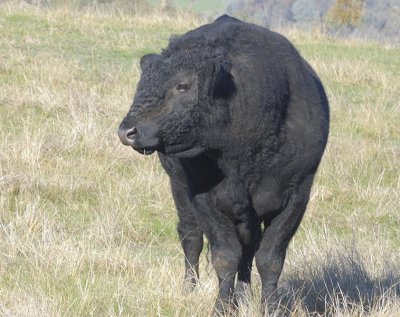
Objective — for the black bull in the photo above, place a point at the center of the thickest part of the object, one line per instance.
(240, 121)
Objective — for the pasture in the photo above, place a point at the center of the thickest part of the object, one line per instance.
(87, 226)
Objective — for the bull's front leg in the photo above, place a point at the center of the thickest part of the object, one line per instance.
(192, 244)
(226, 251)
(249, 232)
(231, 198)
(190, 234)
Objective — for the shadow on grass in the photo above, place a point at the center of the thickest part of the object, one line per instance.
(343, 284)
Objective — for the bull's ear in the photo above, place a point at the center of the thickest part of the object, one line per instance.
(146, 60)
(218, 81)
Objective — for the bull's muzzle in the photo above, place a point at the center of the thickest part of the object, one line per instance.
(141, 138)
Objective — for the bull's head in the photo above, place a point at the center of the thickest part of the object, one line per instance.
(179, 100)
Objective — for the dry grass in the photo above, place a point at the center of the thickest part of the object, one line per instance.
(87, 227)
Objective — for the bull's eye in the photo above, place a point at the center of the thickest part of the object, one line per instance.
(182, 87)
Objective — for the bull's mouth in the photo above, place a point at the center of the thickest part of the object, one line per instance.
(183, 151)
(146, 150)
(180, 151)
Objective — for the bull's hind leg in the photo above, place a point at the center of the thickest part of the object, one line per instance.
(271, 254)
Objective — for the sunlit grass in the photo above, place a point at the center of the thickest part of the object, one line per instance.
(87, 226)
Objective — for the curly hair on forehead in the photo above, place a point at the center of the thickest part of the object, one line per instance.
(198, 48)
(183, 43)
(192, 54)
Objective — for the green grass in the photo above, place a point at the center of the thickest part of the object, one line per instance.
(203, 6)
(87, 226)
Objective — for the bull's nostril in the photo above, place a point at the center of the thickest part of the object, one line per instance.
(130, 134)
(127, 136)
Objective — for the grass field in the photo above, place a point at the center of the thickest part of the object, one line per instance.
(204, 6)
(87, 226)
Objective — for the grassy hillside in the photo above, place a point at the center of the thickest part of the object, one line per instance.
(208, 7)
(87, 226)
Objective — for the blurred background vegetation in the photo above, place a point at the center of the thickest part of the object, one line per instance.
(377, 20)
(88, 227)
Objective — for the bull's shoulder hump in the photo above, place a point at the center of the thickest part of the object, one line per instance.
(227, 26)
(227, 19)
(222, 29)
(215, 29)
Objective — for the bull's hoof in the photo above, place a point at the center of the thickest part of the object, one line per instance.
(242, 293)
(273, 308)
(223, 308)
(190, 281)
(189, 285)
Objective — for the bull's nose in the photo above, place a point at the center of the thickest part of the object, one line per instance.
(127, 136)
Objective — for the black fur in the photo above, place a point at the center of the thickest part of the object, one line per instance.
(240, 122)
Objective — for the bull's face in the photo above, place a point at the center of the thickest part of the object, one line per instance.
(172, 108)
